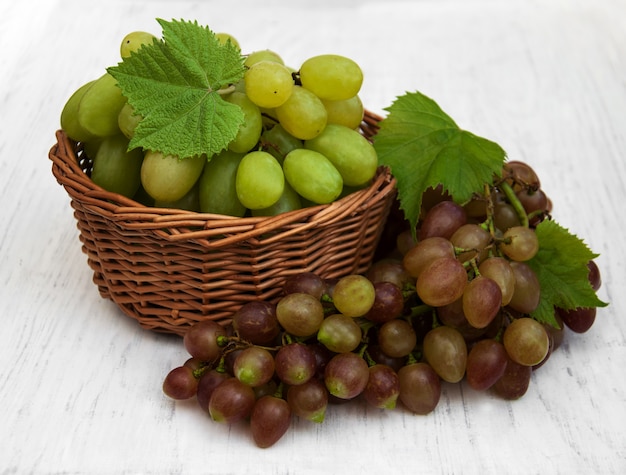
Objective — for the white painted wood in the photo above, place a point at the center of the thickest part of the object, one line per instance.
(81, 383)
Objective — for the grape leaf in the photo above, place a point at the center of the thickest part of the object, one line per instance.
(561, 267)
(425, 148)
(175, 84)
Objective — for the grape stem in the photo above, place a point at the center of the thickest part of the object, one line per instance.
(369, 359)
(515, 202)
(226, 90)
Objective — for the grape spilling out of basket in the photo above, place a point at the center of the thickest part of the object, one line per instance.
(449, 303)
(474, 283)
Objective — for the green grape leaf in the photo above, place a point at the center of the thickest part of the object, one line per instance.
(561, 267)
(425, 148)
(175, 84)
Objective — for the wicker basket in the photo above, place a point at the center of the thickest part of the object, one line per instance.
(170, 268)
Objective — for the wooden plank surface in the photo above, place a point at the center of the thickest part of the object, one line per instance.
(81, 382)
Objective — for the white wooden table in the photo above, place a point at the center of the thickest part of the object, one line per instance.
(80, 383)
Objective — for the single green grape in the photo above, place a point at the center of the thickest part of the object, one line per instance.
(252, 126)
(259, 181)
(135, 40)
(350, 152)
(224, 38)
(218, 194)
(288, 201)
(167, 177)
(277, 141)
(354, 295)
(127, 120)
(262, 55)
(189, 202)
(100, 107)
(332, 77)
(268, 84)
(348, 112)
(312, 175)
(115, 168)
(69, 116)
(303, 115)
(91, 147)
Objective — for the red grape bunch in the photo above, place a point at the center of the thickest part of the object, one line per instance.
(450, 303)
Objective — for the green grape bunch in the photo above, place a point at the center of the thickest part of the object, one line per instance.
(188, 121)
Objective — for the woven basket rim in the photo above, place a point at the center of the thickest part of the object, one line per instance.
(213, 230)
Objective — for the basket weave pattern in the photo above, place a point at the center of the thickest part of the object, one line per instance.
(170, 268)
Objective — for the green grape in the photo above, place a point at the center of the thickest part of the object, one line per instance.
(100, 107)
(127, 120)
(260, 181)
(339, 333)
(268, 84)
(348, 112)
(135, 40)
(300, 314)
(218, 194)
(91, 148)
(115, 168)
(277, 141)
(351, 153)
(142, 196)
(312, 176)
(169, 178)
(446, 351)
(240, 86)
(262, 55)
(69, 116)
(288, 201)
(303, 115)
(250, 130)
(520, 243)
(526, 341)
(332, 77)
(224, 38)
(189, 202)
(354, 295)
